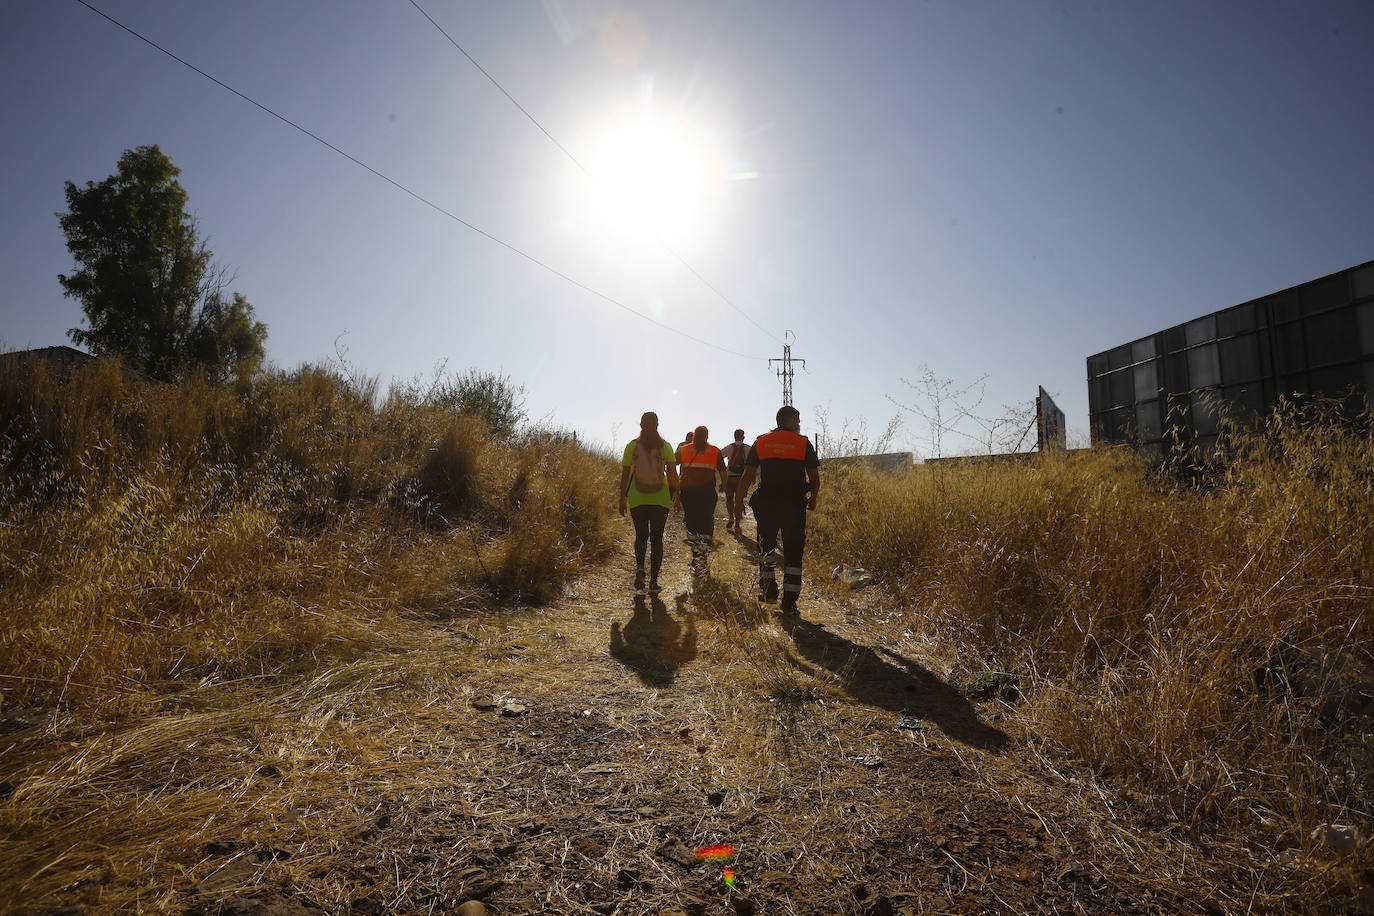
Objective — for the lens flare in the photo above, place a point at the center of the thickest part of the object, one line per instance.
(721, 852)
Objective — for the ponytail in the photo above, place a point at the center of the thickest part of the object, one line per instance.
(648, 431)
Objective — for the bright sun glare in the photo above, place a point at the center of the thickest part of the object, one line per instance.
(656, 175)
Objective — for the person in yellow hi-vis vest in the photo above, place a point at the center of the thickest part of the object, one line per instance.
(701, 466)
(789, 476)
(648, 487)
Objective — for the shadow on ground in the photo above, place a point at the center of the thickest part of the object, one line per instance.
(652, 643)
(750, 545)
(719, 599)
(901, 685)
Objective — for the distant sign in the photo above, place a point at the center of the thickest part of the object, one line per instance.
(1049, 424)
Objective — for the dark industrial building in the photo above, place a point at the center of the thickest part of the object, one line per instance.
(1316, 339)
(65, 360)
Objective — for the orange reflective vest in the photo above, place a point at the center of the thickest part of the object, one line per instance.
(781, 443)
(706, 458)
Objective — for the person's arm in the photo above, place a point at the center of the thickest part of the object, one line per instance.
(813, 474)
(721, 471)
(671, 471)
(624, 489)
(742, 490)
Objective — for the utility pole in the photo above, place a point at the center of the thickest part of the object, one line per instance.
(785, 373)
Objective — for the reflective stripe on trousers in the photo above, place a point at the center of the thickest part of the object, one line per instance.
(788, 521)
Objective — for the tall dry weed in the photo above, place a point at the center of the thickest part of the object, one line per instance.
(1210, 639)
(155, 533)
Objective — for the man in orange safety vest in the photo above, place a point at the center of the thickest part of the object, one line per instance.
(789, 476)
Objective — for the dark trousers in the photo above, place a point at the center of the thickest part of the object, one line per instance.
(699, 516)
(788, 519)
(649, 522)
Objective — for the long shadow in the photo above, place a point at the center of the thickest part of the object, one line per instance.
(716, 599)
(652, 643)
(905, 688)
(749, 543)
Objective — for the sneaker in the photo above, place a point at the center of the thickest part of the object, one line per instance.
(639, 580)
(789, 608)
(768, 592)
(655, 588)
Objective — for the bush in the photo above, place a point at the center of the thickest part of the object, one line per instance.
(1226, 625)
(488, 396)
(155, 532)
(446, 484)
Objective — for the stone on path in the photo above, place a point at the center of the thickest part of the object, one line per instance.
(1337, 838)
(674, 851)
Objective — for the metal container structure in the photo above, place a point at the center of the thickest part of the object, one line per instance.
(1316, 339)
(1051, 433)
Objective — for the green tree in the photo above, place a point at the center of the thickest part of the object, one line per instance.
(226, 339)
(145, 278)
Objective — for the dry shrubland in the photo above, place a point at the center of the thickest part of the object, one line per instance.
(265, 614)
(1209, 639)
(159, 534)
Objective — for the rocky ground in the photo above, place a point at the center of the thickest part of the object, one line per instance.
(569, 759)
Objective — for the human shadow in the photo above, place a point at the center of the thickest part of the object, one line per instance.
(901, 685)
(719, 599)
(748, 542)
(652, 643)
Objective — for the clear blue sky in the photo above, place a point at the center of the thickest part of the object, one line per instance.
(1000, 188)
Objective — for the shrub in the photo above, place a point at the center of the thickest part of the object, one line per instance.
(488, 396)
(1224, 625)
(155, 532)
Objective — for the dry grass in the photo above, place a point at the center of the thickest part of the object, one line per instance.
(155, 535)
(254, 637)
(387, 782)
(1212, 643)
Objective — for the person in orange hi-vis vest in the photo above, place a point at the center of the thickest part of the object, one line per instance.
(701, 466)
(789, 476)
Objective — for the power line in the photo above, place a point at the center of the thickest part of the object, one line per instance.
(574, 160)
(416, 195)
(494, 82)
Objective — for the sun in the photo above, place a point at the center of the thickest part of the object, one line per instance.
(654, 175)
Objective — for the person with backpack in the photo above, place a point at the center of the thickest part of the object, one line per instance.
(648, 489)
(734, 454)
(701, 464)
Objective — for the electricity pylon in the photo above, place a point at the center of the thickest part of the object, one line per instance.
(785, 373)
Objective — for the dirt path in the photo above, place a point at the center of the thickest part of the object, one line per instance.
(565, 759)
